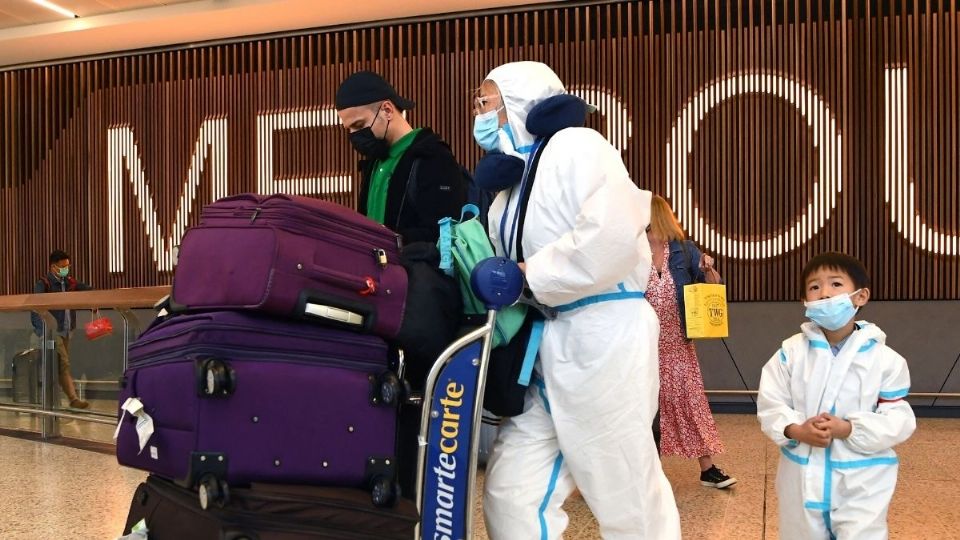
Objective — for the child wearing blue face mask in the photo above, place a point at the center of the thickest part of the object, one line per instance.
(832, 399)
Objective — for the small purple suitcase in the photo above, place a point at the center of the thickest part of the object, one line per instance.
(295, 257)
(239, 397)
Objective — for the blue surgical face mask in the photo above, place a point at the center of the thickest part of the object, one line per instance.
(486, 130)
(832, 313)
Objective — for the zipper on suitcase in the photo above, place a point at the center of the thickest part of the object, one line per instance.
(230, 353)
(380, 256)
(312, 218)
(353, 339)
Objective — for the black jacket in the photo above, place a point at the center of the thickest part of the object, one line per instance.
(439, 189)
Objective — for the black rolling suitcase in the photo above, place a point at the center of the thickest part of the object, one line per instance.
(268, 512)
(26, 376)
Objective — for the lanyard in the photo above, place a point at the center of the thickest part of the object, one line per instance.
(508, 246)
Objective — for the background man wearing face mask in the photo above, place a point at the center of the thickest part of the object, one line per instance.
(58, 279)
(410, 179)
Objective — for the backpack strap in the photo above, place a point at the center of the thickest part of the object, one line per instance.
(537, 328)
(71, 283)
(411, 181)
(445, 243)
(525, 195)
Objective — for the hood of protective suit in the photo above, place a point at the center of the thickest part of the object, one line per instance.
(522, 86)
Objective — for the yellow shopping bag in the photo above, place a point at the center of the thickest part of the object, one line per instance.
(706, 310)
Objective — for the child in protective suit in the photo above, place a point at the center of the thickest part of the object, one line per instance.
(832, 399)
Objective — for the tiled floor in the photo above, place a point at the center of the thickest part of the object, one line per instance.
(55, 492)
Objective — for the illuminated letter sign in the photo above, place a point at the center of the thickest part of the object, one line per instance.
(617, 119)
(123, 155)
(899, 191)
(826, 138)
(267, 124)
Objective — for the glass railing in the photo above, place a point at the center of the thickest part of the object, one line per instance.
(31, 398)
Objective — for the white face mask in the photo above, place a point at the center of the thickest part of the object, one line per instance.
(832, 313)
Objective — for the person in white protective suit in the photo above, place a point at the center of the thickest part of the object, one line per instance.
(593, 394)
(832, 399)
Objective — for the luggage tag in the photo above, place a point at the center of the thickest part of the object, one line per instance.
(137, 532)
(144, 421)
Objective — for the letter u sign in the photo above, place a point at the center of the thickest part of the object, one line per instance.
(899, 189)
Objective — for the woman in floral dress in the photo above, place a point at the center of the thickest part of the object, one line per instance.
(687, 428)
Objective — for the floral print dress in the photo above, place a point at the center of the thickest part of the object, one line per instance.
(687, 428)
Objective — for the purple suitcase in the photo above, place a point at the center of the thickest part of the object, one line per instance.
(295, 257)
(240, 397)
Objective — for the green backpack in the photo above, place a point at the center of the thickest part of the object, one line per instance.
(462, 245)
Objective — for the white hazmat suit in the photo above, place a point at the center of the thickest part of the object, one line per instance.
(841, 491)
(593, 396)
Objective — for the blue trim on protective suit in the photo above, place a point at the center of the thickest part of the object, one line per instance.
(836, 464)
(542, 389)
(799, 460)
(530, 356)
(546, 497)
(895, 394)
(596, 299)
(861, 463)
(827, 489)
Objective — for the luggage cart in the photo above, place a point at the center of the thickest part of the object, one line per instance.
(452, 411)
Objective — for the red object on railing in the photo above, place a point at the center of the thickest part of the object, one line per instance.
(98, 327)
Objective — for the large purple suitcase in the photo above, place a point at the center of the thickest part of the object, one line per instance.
(296, 257)
(242, 397)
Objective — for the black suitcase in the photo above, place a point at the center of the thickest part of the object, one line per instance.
(26, 376)
(269, 512)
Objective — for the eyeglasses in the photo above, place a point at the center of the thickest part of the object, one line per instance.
(480, 102)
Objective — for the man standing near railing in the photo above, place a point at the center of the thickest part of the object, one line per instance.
(58, 279)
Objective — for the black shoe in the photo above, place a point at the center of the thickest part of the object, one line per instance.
(714, 477)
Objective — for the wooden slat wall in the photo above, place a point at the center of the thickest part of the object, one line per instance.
(786, 100)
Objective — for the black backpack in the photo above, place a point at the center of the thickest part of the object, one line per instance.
(476, 196)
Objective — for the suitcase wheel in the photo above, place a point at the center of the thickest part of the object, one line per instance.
(384, 491)
(389, 391)
(213, 491)
(218, 378)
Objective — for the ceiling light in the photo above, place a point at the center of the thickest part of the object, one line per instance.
(51, 6)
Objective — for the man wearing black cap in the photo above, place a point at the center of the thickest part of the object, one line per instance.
(410, 179)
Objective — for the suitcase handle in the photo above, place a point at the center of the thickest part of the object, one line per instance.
(363, 286)
(356, 315)
(333, 313)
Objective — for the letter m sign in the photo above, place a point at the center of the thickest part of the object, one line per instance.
(123, 156)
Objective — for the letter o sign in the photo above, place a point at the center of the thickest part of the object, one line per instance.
(826, 186)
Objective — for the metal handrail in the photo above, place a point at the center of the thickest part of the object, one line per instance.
(123, 301)
(89, 416)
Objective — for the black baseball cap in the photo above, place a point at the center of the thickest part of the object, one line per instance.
(366, 87)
